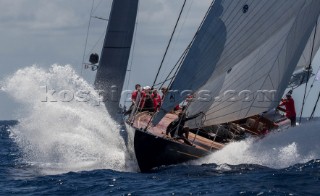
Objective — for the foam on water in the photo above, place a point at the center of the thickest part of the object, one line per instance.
(277, 150)
(59, 134)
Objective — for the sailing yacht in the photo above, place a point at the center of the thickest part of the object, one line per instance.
(237, 66)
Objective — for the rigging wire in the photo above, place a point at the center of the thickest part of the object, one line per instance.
(98, 42)
(93, 10)
(164, 81)
(314, 80)
(166, 51)
(308, 76)
(176, 66)
(86, 42)
(177, 39)
(164, 94)
(184, 54)
(191, 43)
(314, 108)
(181, 62)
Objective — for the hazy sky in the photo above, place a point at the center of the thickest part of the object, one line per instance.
(44, 32)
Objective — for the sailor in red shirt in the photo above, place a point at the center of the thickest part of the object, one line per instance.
(288, 103)
(137, 96)
(134, 97)
(156, 100)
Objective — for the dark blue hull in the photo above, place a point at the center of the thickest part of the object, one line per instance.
(152, 151)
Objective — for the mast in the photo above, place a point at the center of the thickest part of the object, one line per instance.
(115, 53)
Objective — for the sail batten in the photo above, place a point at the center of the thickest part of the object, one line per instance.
(250, 54)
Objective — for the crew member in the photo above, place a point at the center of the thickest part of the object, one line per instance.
(290, 110)
(156, 100)
(136, 99)
(178, 124)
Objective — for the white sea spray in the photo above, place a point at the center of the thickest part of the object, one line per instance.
(63, 131)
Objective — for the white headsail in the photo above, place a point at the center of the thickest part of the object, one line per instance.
(242, 58)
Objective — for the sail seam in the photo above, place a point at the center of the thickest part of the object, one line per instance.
(235, 54)
(236, 82)
(284, 44)
(294, 27)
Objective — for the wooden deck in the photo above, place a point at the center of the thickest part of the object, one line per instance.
(142, 120)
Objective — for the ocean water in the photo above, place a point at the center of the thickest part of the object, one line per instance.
(64, 146)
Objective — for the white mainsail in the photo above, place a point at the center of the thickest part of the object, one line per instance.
(243, 47)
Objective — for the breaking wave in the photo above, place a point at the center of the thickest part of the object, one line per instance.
(277, 150)
(62, 126)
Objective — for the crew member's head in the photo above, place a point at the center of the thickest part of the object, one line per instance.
(138, 87)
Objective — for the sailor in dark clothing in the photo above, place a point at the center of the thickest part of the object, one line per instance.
(148, 101)
(178, 124)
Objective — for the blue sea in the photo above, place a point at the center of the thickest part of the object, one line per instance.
(67, 146)
(21, 175)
